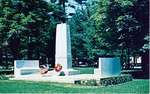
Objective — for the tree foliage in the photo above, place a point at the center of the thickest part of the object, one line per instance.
(115, 27)
(123, 20)
(99, 27)
(28, 29)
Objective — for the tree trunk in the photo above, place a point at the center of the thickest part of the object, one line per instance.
(6, 58)
(1, 55)
(30, 46)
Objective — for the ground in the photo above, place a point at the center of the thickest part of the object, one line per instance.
(137, 86)
(8, 86)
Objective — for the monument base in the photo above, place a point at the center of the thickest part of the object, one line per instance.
(104, 74)
(64, 72)
(68, 72)
(97, 72)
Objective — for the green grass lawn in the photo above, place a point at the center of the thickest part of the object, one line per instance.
(12, 86)
(139, 86)
(85, 70)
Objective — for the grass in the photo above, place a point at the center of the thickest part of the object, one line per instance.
(139, 86)
(12, 86)
(86, 70)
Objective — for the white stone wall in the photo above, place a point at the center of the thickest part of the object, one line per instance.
(22, 67)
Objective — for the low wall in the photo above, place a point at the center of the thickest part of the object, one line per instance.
(25, 67)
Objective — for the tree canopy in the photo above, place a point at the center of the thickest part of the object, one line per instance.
(99, 27)
(24, 24)
(111, 27)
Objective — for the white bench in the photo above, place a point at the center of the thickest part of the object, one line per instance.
(26, 67)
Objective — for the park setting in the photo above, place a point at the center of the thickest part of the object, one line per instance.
(74, 46)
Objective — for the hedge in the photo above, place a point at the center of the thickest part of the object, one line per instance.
(3, 77)
(105, 81)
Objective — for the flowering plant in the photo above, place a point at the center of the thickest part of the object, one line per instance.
(58, 67)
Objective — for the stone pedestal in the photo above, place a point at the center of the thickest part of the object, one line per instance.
(108, 66)
(23, 68)
(63, 49)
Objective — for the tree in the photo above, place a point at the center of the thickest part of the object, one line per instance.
(110, 27)
(26, 24)
(122, 19)
(85, 36)
(6, 13)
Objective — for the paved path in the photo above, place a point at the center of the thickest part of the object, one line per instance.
(62, 79)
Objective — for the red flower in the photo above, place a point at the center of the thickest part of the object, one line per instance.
(58, 67)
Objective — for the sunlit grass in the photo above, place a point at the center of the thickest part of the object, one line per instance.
(139, 86)
(12, 86)
(86, 70)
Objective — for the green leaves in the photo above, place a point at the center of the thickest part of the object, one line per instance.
(25, 24)
(127, 22)
(109, 26)
(146, 46)
(125, 3)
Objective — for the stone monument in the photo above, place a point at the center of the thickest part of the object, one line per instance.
(108, 67)
(23, 68)
(63, 49)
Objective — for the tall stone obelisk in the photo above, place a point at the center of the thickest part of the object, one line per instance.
(63, 46)
(63, 49)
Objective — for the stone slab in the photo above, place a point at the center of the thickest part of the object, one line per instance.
(60, 79)
(26, 67)
(108, 66)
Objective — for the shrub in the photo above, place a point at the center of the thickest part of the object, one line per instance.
(3, 72)
(88, 82)
(105, 81)
(115, 80)
(92, 82)
(62, 73)
(3, 77)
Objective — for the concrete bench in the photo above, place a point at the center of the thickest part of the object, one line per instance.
(26, 67)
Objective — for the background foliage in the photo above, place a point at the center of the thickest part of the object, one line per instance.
(99, 27)
(111, 27)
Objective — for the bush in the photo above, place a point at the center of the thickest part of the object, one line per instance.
(62, 73)
(115, 80)
(91, 82)
(2, 72)
(3, 77)
(105, 81)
